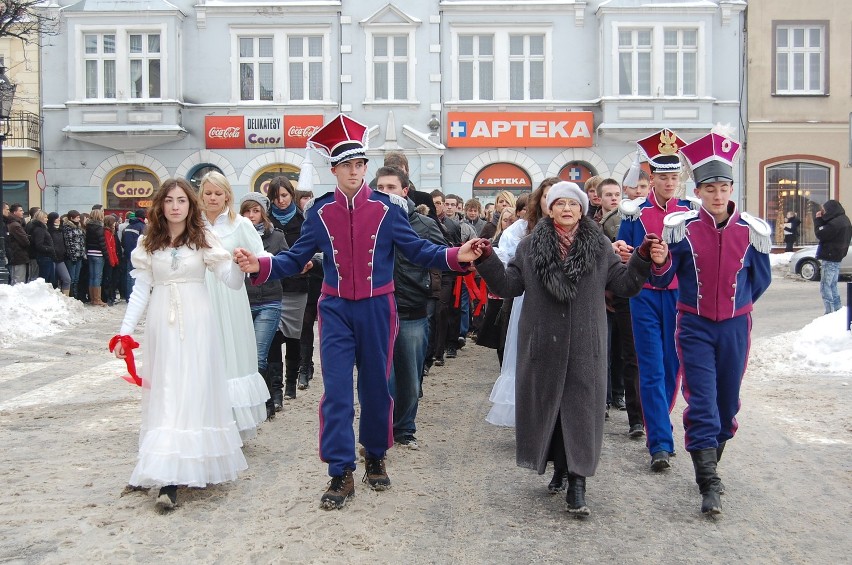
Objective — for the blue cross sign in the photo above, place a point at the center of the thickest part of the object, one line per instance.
(458, 129)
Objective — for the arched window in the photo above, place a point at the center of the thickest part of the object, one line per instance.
(129, 188)
(497, 177)
(799, 187)
(197, 173)
(261, 181)
(577, 171)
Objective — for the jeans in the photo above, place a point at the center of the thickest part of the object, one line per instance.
(46, 269)
(464, 304)
(265, 318)
(96, 270)
(63, 279)
(18, 274)
(408, 354)
(74, 271)
(828, 286)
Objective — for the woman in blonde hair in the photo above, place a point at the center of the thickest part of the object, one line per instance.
(246, 387)
(96, 251)
(502, 201)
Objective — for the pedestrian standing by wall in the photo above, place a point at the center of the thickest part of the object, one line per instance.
(19, 244)
(721, 259)
(62, 279)
(834, 232)
(357, 230)
(75, 248)
(96, 251)
(188, 434)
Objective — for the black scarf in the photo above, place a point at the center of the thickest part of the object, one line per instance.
(560, 277)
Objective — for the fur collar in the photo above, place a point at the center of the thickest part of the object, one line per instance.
(560, 277)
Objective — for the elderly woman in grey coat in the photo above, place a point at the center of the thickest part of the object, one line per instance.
(564, 266)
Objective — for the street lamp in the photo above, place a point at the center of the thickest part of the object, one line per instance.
(7, 96)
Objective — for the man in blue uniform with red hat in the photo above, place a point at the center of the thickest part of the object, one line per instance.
(720, 257)
(653, 309)
(357, 230)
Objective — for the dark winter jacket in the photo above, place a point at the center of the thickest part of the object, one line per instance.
(75, 240)
(477, 224)
(130, 236)
(42, 243)
(292, 231)
(270, 291)
(562, 334)
(58, 243)
(17, 241)
(95, 242)
(833, 231)
(412, 283)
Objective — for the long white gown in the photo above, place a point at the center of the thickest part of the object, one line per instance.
(188, 435)
(246, 387)
(502, 397)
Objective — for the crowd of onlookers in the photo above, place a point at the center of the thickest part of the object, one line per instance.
(85, 255)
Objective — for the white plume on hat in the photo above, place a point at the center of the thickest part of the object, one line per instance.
(567, 189)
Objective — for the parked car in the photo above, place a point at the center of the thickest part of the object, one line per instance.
(804, 262)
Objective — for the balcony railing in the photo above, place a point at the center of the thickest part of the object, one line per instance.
(23, 131)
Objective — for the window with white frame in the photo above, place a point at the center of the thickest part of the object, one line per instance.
(634, 62)
(121, 63)
(658, 60)
(390, 67)
(503, 64)
(801, 53)
(526, 67)
(256, 68)
(99, 57)
(680, 62)
(475, 67)
(144, 65)
(305, 59)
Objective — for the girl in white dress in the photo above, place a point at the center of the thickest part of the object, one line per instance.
(188, 434)
(246, 387)
(502, 397)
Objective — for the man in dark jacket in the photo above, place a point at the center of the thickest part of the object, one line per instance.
(413, 288)
(834, 232)
(19, 244)
(129, 239)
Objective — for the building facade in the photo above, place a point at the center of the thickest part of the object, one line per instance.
(480, 95)
(799, 110)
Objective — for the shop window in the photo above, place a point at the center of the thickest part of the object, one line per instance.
(129, 188)
(17, 192)
(577, 171)
(261, 181)
(798, 187)
(195, 175)
(498, 177)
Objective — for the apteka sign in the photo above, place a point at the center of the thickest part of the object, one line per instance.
(520, 129)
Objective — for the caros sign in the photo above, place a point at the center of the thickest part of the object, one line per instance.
(520, 129)
(255, 132)
(133, 189)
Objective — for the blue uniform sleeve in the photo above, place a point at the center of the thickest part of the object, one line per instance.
(761, 273)
(627, 232)
(662, 276)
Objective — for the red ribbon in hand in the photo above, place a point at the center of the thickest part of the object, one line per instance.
(128, 345)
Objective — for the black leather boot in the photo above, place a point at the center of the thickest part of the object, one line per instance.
(304, 377)
(576, 496)
(704, 461)
(270, 406)
(559, 480)
(290, 379)
(719, 451)
(276, 381)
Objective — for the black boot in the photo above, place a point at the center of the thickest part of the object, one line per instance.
(708, 481)
(576, 495)
(290, 378)
(559, 480)
(166, 498)
(276, 381)
(304, 377)
(270, 406)
(719, 451)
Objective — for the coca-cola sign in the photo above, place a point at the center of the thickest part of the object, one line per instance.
(224, 132)
(297, 129)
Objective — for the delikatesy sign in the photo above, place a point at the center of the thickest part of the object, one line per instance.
(520, 129)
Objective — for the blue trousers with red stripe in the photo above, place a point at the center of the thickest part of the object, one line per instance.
(361, 334)
(653, 314)
(713, 357)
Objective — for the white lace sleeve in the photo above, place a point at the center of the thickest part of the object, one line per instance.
(143, 280)
(509, 241)
(220, 261)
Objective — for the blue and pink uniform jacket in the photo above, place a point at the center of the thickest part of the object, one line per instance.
(645, 215)
(722, 270)
(357, 244)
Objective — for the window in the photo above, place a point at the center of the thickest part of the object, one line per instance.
(145, 65)
(510, 64)
(476, 67)
(306, 67)
(799, 187)
(121, 64)
(256, 66)
(99, 60)
(680, 53)
(801, 52)
(390, 67)
(657, 60)
(634, 62)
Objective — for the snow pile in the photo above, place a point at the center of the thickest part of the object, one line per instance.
(778, 260)
(823, 347)
(36, 309)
